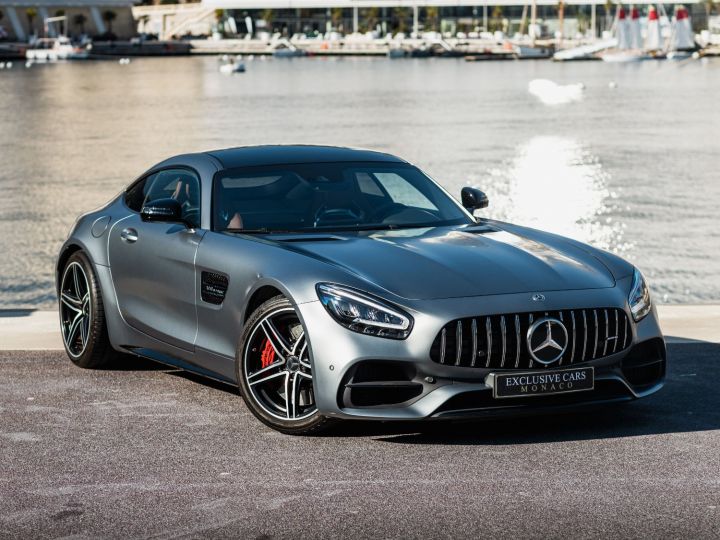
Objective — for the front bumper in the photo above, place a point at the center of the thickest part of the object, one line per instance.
(412, 386)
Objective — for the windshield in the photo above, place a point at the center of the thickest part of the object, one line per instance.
(330, 196)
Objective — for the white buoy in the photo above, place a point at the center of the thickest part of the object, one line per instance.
(612, 84)
(28, 64)
(2, 65)
(8, 65)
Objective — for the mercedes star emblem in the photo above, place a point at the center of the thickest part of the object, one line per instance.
(547, 339)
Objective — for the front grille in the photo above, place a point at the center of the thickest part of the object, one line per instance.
(499, 341)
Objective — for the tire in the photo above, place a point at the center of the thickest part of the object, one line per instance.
(82, 315)
(273, 345)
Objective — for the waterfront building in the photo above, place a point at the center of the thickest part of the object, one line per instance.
(22, 19)
(288, 17)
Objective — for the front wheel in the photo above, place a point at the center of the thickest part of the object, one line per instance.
(275, 372)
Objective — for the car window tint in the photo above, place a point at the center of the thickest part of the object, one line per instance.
(312, 196)
(135, 196)
(402, 192)
(181, 185)
(367, 185)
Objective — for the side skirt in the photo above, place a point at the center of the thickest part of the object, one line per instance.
(171, 361)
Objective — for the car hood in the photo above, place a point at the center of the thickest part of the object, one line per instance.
(451, 262)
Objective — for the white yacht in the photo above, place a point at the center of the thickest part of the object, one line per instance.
(54, 49)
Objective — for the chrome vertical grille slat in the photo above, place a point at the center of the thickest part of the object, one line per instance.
(462, 342)
(488, 330)
(617, 332)
(572, 353)
(582, 358)
(530, 321)
(517, 340)
(504, 340)
(596, 333)
(474, 342)
(607, 335)
(627, 332)
(458, 343)
(560, 316)
(443, 345)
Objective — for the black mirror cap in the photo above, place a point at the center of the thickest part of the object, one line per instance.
(165, 210)
(474, 199)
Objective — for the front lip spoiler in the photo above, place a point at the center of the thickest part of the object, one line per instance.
(414, 412)
(528, 410)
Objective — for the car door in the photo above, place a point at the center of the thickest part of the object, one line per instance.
(153, 263)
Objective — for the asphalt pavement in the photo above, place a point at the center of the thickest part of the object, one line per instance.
(146, 452)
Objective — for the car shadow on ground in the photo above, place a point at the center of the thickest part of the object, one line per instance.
(690, 401)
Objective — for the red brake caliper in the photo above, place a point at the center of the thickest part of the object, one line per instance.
(268, 354)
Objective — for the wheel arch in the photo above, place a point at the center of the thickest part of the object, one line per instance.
(65, 254)
(261, 295)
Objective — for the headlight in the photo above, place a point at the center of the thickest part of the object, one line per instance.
(363, 313)
(639, 298)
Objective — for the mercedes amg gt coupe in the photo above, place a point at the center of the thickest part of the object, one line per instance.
(330, 283)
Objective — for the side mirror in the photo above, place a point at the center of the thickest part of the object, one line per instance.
(164, 210)
(473, 199)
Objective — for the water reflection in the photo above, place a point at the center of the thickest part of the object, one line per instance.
(554, 184)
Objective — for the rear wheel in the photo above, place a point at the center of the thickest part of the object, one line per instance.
(275, 370)
(82, 316)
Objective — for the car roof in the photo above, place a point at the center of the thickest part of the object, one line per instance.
(250, 156)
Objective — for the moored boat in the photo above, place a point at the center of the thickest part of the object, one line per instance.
(54, 49)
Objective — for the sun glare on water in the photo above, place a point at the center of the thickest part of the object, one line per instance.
(554, 184)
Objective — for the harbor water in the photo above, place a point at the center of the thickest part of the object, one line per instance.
(623, 156)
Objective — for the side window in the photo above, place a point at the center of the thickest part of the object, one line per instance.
(135, 196)
(403, 192)
(179, 184)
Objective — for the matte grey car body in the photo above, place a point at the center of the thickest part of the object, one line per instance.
(466, 283)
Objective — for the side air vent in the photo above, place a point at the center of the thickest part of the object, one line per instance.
(213, 288)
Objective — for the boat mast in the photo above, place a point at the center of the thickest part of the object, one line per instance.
(533, 21)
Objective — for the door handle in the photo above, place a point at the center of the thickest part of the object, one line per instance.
(129, 235)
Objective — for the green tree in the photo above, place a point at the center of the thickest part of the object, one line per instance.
(496, 19)
(109, 16)
(608, 13)
(267, 15)
(336, 17)
(432, 14)
(31, 13)
(372, 16)
(709, 7)
(400, 16)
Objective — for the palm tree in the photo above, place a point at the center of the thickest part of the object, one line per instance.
(608, 14)
(496, 22)
(267, 16)
(31, 13)
(401, 15)
(109, 16)
(431, 17)
(371, 17)
(336, 18)
(709, 6)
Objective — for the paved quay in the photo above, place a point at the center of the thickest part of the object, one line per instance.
(146, 452)
(30, 330)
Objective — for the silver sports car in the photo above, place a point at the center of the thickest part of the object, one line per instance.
(330, 283)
